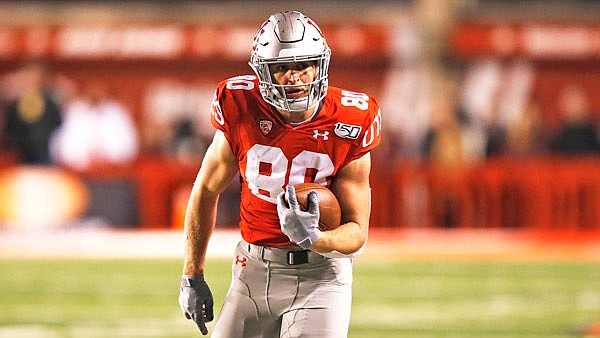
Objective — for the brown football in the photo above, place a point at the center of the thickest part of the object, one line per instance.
(329, 207)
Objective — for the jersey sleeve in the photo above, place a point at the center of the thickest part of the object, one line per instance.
(370, 136)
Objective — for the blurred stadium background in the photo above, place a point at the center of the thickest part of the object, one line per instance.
(486, 190)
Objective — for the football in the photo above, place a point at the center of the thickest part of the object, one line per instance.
(329, 207)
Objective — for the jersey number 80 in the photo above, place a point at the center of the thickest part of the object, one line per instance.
(267, 167)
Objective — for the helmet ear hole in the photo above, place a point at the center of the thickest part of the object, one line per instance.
(290, 37)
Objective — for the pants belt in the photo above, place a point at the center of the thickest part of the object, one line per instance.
(281, 255)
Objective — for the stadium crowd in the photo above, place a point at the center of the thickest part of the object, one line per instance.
(48, 119)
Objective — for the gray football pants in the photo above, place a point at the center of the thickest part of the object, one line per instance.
(274, 294)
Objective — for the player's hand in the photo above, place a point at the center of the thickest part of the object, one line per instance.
(196, 301)
(301, 227)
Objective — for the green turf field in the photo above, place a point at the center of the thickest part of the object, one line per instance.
(417, 299)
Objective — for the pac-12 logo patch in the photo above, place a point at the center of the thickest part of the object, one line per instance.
(347, 130)
(265, 126)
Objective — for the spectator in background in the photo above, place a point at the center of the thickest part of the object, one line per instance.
(98, 130)
(496, 142)
(184, 144)
(33, 116)
(578, 134)
(172, 124)
(449, 140)
(524, 137)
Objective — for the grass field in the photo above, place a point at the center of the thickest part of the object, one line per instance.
(417, 298)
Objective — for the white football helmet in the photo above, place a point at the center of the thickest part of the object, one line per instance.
(290, 37)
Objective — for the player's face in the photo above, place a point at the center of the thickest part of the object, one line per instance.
(294, 73)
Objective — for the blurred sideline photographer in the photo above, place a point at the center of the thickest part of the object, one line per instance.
(278, 128)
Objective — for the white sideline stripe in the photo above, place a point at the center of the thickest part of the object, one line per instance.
(99, 243)
(164, 244)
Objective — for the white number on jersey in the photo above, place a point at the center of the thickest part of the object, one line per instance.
(241, 82)
(375, 129)
(215, 110)
(267, 167)
(358, 100)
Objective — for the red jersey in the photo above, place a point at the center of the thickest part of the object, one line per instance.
(272, 153)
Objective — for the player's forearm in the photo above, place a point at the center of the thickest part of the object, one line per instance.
(217, 169)
(199, 225)
(346, 239)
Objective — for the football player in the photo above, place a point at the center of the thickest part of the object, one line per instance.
(280, 127)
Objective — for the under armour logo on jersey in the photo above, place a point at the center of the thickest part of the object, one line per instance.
(240, 260)
(324, 135)
(265, 126)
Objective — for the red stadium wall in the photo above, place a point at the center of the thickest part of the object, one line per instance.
(542, 194)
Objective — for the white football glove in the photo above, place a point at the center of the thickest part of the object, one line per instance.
(301, 227)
